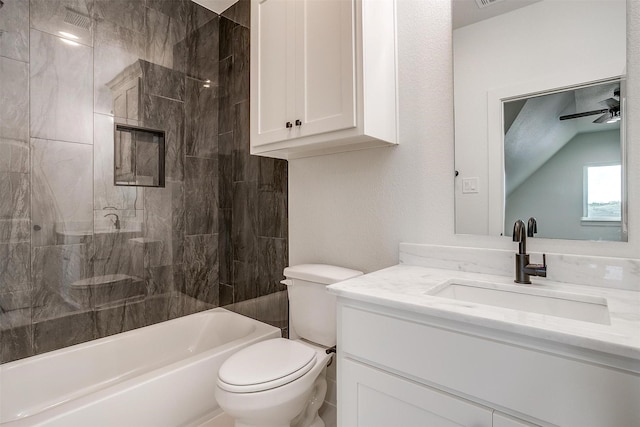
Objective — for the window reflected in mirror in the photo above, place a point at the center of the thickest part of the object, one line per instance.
(602, 192)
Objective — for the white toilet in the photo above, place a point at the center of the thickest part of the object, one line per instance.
(281, 382)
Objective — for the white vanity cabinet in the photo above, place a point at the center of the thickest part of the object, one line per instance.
(394, 364)
(372, 397)
(323, 76)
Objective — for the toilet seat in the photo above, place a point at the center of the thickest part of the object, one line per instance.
(266, 365)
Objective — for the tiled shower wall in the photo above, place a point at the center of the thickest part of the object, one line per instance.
(215, 235)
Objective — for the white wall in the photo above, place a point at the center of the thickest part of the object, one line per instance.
(539, 47)
(353, 209)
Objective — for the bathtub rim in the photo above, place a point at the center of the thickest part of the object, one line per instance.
(103, 390)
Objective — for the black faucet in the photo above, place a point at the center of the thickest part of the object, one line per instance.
(523, 268)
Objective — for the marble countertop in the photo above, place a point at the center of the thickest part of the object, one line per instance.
(404, 287)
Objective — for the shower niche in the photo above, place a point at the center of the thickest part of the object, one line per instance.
(138, 156)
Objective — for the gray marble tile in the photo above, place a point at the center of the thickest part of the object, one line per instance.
(226, 295)
(273, 309)
(244, 225)
(137, 257)
(177, 305)
(201, 196)
(164, 222)
(202, 52)
(164, 33)
(109, 321)
(226, 37)
(272, 259)
(105, 193)
(245, 166)
(14, 27)
(239, 12)
(63, 18)
(120, 318)
(160, 308)
(16, 343)
(112, 253)
(201, 108)
(273, 175)
(15, 230)
(14, 155)
(241, 57)
(161, 81)
(201, 268)
(272, 220)
(127, 13)
(162, 280)
(174, 8)
(168, 115)
(225, 108)
(61, 81)
(54, 271)
(15, 308)
(146, 253)
(225, 246)
(245, 283)
(197, 16)
(14, 195)
(62, 192)
(15, 267)
(135, 315)
(14, 92)
(70, 329)
(225, 170)
(117, 54)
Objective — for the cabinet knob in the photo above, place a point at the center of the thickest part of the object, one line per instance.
(289, 125)
(298, 123)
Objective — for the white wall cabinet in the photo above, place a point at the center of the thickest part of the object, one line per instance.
(323, 76)
(424, 367)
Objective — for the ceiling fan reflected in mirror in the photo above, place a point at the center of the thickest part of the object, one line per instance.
(611, 114)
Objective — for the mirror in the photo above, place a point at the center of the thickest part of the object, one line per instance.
(518, 67)
(138, 156)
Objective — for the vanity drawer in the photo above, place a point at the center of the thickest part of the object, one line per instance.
(539, 385)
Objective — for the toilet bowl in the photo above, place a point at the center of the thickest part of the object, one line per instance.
(274, 383)
(282, 382)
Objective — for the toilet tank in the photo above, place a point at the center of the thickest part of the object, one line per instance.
(312, 310)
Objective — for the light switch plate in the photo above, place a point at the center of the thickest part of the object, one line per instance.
(469, 185)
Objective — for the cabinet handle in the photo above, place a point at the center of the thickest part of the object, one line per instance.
(289, 125)
(298, 123)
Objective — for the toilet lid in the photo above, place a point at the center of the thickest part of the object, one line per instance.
(265, 365)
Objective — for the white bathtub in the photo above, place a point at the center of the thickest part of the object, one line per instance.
(160, 375)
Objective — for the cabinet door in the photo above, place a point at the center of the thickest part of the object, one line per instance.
(325, 66)
(272, 70)
(370, 397)
(502, 420)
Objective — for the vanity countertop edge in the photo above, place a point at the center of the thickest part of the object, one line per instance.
(404, 288)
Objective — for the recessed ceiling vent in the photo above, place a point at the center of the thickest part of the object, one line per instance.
(485, 3)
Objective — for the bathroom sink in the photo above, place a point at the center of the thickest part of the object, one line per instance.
(526, 298)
